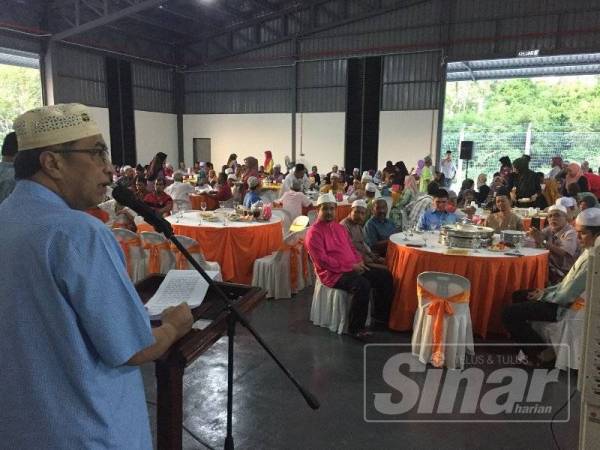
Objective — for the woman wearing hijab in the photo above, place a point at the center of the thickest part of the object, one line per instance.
(410, 192)
(157, 167)
(527, 186)
(551, 190)
(483, 190)
(400, 174)
(575, 175)
(251, 164)
(268, 164)
(277, 176)
(232, 162)
(426, 174)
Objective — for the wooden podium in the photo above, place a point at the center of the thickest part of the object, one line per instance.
(171, 366)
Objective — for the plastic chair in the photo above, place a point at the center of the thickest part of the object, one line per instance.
(442, 331)
(302, 265)
(135, 256)
(158, 252)
(195, 250)
(330, 308)
(275, 272)
(565, 336)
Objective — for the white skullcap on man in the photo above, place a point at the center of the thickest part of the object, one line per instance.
(54, 124)
(371, 187)
(326, 198)
(231, 177)
(567, 202)
(253, 182)
(359, 204)
(560, 208)
(589, 217)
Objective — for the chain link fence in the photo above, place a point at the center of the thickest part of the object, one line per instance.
(489, 147)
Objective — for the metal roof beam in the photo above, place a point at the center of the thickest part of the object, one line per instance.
(106, 19)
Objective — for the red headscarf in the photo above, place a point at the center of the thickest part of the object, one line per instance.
(268, 157)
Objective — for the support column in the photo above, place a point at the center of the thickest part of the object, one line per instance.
(179, 105)
(48, 71)
(294, 97)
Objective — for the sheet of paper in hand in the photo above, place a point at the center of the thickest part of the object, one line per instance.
(177, 287)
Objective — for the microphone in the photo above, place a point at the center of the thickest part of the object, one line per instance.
(126, 198)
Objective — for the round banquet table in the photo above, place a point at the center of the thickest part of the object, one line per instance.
(234, 246)
(211, 202)
(341, 212)
(493, 276)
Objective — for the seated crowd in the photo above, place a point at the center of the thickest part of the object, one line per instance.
(350, 255)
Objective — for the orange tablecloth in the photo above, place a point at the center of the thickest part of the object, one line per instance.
(211, 202)
(493, 280)
(341, 212)
(234, 248)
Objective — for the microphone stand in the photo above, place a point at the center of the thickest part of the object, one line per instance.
(233, 316)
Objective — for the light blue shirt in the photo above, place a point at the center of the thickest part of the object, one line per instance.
(71, 319)
(378, 230)
(433, 220)
(570, 288)
(250, 198)
(7, 179)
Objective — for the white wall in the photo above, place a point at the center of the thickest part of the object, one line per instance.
(156, 132)
(100, 116)
(242, 134)
(320, 137)
(407, 136)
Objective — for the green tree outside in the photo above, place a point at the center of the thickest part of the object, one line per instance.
(20, 90)
(561, 113)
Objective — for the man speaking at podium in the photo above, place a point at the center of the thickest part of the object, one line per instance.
(73, 327)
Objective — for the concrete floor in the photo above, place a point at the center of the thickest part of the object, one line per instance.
(270, 414)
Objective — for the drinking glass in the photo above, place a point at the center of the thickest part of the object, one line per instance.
(203, 206)
(476, 244)
(518, 244)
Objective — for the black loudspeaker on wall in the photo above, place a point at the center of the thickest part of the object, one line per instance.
(466, 150)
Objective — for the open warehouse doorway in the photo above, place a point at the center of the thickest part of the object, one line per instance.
(21, 86)
(541, 106)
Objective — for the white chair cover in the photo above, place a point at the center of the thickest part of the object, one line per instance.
(457, 329)
(330, 308)
(167, 258)
(565, 336)
(272, 272)
(286, 219)
(188, 243)
(136, 266)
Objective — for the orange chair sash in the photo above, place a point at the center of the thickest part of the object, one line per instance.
(304, 260)
(578, 304)
(126, 245)
(439, 308)
(154, 257)
(295, 251)
(181, 262)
